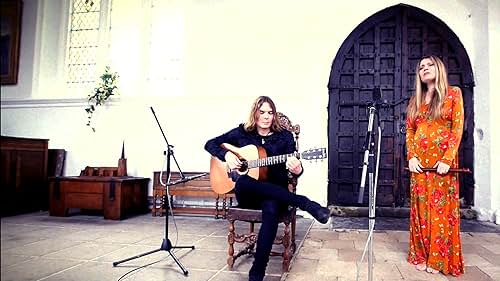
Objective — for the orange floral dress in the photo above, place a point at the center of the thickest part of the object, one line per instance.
(435, 207)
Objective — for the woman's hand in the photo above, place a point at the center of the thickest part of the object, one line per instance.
(232, 161)
(414, 165)
(293, 165)
(441, 167)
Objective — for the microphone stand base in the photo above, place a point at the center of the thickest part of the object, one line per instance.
(166, 245)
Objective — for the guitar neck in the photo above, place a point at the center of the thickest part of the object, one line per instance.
(271, 160)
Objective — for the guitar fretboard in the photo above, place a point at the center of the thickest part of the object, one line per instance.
(271, 160)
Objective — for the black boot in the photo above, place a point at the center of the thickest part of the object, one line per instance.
(321, 214)
(258, 269)
(256, 277)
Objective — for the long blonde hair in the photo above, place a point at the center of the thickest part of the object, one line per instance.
(441, 87)
(251, 124)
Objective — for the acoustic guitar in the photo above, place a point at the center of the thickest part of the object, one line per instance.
(254, 163)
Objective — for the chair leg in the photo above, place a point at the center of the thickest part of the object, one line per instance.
(153, 208)
(292, 238)
(230, 240)
(170, 206)
(158, 203)
(217, 206)
(251, 247)
(286, 247)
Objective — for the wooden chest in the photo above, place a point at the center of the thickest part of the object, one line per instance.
(115, 196)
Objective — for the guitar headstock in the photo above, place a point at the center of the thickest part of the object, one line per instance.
(314, 154)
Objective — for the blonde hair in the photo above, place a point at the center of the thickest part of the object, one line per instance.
(441, 86)
(251, 124)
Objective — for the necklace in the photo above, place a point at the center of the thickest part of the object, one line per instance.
(262, 138)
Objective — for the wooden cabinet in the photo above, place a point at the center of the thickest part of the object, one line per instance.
(23, 175)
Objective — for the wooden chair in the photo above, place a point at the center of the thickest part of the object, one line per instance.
(286, 239)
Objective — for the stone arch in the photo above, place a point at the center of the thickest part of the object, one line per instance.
(382, 52)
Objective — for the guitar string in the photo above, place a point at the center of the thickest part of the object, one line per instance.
(271, 160)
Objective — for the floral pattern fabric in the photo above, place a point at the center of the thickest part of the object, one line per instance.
(435, 207)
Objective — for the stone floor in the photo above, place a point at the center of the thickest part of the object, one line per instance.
(37, 246)
(80, 247)
(333, 252)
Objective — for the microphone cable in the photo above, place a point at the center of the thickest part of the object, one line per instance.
(167, 199)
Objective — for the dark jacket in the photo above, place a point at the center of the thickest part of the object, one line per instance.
(278, 143)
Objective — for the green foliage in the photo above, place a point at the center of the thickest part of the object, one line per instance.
(106, 88)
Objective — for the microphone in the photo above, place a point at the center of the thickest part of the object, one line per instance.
(377, 94)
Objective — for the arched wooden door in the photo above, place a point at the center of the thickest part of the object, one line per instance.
(383, 52)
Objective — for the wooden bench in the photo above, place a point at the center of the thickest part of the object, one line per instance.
(199, 188)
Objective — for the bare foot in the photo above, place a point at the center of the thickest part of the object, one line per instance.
(421, 267)
(432, 270)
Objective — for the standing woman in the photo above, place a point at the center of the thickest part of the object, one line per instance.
(435, 120)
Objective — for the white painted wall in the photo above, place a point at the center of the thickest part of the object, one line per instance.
(234, 51)
(494, 61)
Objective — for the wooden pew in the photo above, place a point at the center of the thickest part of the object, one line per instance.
(199, 188)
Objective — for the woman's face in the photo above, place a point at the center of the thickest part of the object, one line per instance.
(427, 70)
(265, 116)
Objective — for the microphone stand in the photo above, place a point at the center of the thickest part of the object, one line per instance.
(372, 181)
(373, 108)
(166, 245)
(369, 144)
